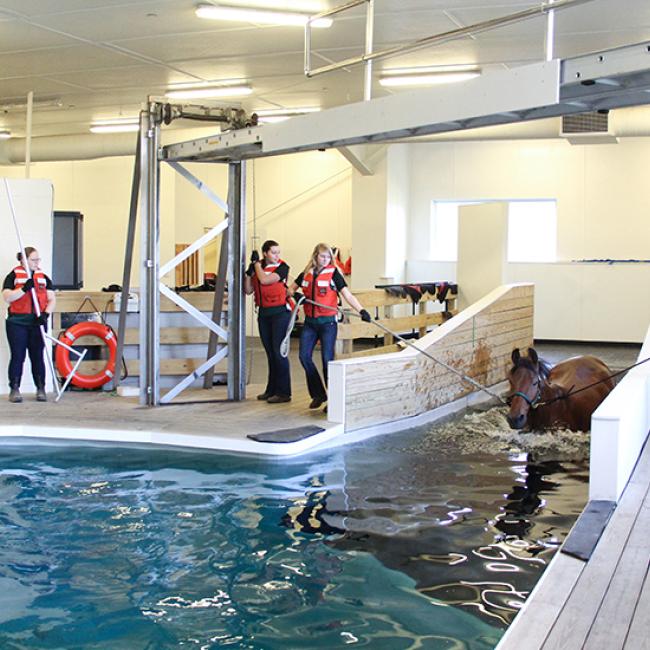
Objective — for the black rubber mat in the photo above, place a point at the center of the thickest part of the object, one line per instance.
(584, 536)
(286, 435)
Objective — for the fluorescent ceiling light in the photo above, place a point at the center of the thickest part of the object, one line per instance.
(5, 135)
(426, 76)
(116, 125)
(259, 16)
(273, 115)
(207, 92)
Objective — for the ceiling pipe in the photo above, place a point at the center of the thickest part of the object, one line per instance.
(624, 123)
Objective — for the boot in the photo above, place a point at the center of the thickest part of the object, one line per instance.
(41, 395)
(14, 396)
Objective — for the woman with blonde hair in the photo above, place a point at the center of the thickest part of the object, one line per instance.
(321, 283)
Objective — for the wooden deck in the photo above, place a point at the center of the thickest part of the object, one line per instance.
(602, 604)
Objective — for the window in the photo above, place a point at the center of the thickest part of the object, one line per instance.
(532, 231)
(444, 231)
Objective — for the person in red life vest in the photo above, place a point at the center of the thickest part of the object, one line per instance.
(23, 325)
(321, 282)
(267, 279)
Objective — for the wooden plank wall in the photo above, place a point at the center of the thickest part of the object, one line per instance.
(477, 342)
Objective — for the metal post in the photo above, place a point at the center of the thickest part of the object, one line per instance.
(550, 32)
(128, 259)
(150, 258)
(217, 306)
(370, 29)
(236, 302)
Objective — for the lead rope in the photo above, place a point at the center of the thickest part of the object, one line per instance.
(284, 346)
(572, 392)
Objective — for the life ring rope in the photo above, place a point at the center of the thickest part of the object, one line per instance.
(88, 328)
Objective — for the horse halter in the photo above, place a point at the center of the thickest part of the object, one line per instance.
(533, 403)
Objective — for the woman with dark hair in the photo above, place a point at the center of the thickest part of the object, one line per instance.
(25, 284)
(267, 279)
(321, 282)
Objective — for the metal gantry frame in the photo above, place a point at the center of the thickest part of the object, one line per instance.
(599, 81)
(152, 272)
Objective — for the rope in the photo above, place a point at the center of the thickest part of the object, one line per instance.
(284, 346)
(572, 392)
(347, 312)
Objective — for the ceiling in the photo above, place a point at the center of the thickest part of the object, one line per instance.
(92, 59)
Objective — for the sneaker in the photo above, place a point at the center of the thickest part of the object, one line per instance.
(278, 399)
(263, 396)
(14, 396)
(317, 402)
(41, 395)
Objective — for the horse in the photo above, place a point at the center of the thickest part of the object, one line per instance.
(542, 396)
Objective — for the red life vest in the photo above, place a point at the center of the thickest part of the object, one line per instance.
(321, 290)
(270, 295)
(24, 304)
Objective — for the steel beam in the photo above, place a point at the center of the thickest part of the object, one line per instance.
(536, 91)
(128, 261)
(236, 302)
(150, 259)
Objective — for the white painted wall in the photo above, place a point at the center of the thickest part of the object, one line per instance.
(603, 201)
(33, 205)
(603, 212)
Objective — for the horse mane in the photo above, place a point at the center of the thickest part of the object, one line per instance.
(543, 367)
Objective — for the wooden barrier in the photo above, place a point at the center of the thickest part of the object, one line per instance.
(478, 342)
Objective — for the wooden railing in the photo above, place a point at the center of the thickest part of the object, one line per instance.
(381, 306)
(376, 301)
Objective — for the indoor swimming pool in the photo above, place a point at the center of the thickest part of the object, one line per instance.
(430, 538)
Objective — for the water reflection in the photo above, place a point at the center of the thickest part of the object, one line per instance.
(398, 542)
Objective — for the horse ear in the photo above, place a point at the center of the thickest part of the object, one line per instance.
(532, 355)
(515, 356)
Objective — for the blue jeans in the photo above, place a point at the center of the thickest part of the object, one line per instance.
(313, 331)
(23, 339)
(272, 330)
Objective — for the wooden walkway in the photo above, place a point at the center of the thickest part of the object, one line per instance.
(602, 604)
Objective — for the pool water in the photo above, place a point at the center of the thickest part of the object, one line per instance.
(402, 541)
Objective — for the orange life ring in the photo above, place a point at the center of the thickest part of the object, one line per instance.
(88, 328)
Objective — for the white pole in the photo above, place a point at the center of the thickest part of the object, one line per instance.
(28, 135)
(370, 30)
(550, 32)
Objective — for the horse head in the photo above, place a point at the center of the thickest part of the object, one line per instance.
(526, 380)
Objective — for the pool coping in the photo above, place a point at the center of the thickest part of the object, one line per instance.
(332, 436)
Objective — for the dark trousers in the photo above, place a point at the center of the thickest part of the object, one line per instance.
(312, 332)
(272, 330)
(23, 339)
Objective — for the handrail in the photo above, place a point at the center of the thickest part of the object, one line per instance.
(436, 39)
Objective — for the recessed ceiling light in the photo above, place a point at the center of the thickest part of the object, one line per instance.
(5, 135)
(272, 115)
(426, 76)
(259, 16)
(207, 92)
(116, 125)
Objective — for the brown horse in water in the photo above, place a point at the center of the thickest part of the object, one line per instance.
(542, 396)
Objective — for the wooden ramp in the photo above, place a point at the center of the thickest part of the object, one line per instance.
(375, 390)
(602, 604)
